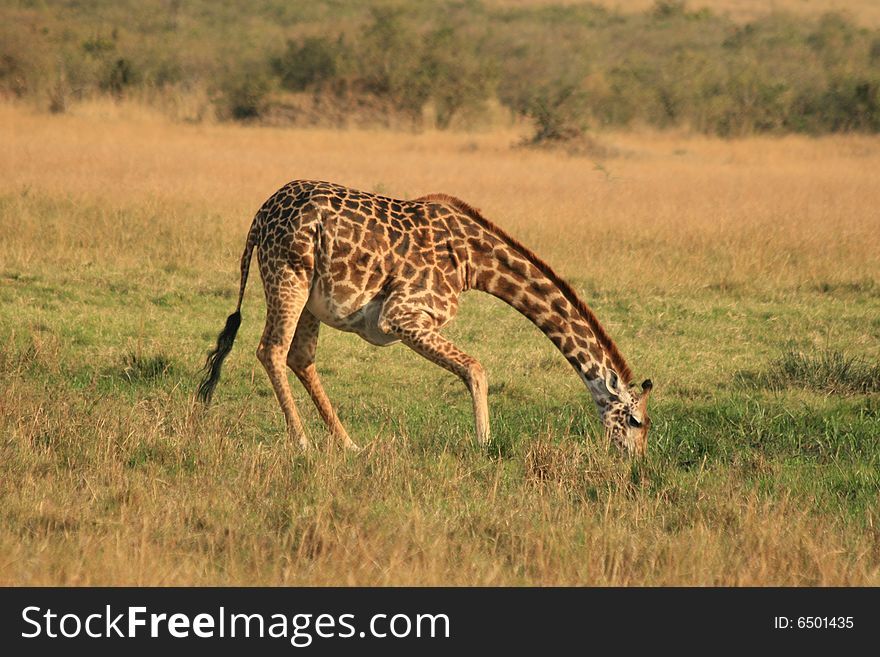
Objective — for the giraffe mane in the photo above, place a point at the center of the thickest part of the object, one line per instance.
(617, 360)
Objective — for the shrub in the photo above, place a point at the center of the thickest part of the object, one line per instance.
(389, 59)
(243, 94)
(310, 63)
(565, 67)
(663, 9)
(847, 104)
(545, 80)
(13, 74)
(558, 113)
(21, 61)
(118, 76)
(457, 79)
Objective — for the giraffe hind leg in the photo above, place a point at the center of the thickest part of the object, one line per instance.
(301, 360)
(418, 331)
(286, 295)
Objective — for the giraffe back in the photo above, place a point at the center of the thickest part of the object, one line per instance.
(363, 249)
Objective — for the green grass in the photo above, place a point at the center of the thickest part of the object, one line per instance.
(104, 448)
(118, 267)
(832, 372)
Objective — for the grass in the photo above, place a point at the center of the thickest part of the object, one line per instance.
(865, 11)
(832, 372)
(119, 242)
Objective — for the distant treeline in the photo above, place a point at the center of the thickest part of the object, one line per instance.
(568, 68)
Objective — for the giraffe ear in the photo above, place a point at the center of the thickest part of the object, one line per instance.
(611, 383)
(646, 391)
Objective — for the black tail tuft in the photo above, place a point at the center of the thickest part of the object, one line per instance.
(215, 358)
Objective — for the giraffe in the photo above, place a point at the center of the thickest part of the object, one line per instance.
(392, 271)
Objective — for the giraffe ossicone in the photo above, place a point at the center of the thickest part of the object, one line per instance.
(391, 271)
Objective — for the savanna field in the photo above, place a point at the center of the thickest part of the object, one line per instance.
(728, 241)
(742, 276)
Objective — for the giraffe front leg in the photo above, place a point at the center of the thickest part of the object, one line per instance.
(478, 384)
(286, 295)
(418, 331)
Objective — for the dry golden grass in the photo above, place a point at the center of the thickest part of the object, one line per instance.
(388, 520)
(668, 210)
(119, 241)
(865, 12)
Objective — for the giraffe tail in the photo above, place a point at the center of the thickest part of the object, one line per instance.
(227, 335)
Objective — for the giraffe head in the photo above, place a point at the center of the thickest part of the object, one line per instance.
(625, 415)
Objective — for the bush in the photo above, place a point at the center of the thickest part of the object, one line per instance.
(663, 9)
(243, 94)
(458, 81)
(308, 64)
(411, 69)
(748, 101)
(118, 76)
(13, 74)
(21, 60)
(558, 113)
(847, 104)
(551, 90)
(564, 66)
(389, 58)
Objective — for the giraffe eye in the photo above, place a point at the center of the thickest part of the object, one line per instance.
(633, 422)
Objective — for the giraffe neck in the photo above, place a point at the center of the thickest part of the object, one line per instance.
(509, 271)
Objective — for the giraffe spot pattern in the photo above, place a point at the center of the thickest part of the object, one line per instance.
(392, 270)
